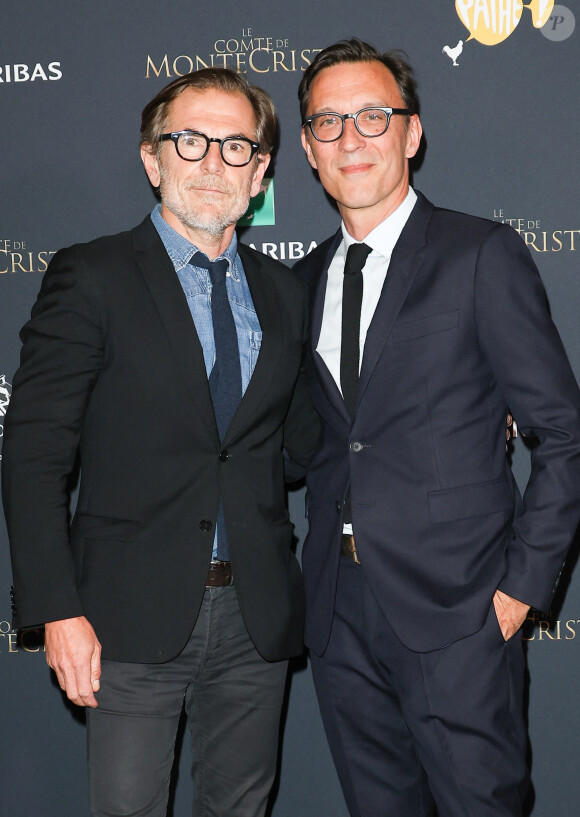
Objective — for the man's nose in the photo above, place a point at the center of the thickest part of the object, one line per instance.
(212, 160)
(351, 139)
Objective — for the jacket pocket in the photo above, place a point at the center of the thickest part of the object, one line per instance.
(441, 322)
(92, 526)
(470, 500)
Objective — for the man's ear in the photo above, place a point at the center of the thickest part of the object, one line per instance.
(414, 133)
(308, 149)
(261, 167)
(151, 164)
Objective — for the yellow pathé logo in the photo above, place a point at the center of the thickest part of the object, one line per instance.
(490, 22)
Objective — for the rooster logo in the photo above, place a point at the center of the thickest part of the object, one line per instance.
(490, 22)
(453, 53)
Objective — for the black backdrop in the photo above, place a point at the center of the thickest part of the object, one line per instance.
(501, 131)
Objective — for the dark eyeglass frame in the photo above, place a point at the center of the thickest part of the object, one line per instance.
(354, 116)
(174, 137)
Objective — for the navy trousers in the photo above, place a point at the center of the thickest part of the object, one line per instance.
(418, 734)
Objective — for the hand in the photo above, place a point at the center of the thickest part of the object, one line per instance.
(509, 431)
(74, 653)
(510, 613)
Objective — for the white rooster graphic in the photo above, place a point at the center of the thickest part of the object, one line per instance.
(453, 53)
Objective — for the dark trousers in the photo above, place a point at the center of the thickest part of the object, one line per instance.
(413, 731)
(233, 701)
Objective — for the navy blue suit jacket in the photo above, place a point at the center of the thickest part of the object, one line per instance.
(461, 333)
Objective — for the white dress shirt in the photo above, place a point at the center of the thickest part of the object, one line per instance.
(382, 241)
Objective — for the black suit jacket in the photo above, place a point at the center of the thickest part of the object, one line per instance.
(461, 332)
(112, 367)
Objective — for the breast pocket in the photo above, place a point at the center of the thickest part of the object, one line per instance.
(428, 325)
(255, 344)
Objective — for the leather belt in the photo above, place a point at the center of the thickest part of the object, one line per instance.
(219, 575)
(347, 548)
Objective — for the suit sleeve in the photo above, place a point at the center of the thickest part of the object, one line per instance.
(302, 424)
(61, 358)
(527, 358)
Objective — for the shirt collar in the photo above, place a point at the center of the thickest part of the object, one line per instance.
(181, 251)
(386, 234)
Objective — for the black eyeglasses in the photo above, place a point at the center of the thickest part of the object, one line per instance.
(192, 146)
(328, 127)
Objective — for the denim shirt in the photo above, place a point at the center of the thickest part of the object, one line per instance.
(196, 285)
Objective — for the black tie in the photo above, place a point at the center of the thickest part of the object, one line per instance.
(225, 380)
(352, 292)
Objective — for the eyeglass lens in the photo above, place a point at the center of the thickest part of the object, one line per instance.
(370, 122)
(235, 151)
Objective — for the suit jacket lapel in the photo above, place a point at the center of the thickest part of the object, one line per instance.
(171, 304)
(318, 294)
(267, 308)
(405, 262)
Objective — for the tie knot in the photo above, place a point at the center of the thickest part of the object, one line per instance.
(355, 258)
(217, 269)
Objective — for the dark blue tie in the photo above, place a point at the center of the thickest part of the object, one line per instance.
(225, 380)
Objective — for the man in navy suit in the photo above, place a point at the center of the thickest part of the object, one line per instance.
(422, 560)
(176, 583)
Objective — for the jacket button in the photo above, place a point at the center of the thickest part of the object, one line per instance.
(338, 506)
(224, 455)
(356, 447)
(205, 525)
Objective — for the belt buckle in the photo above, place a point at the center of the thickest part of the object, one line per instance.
(348, 547)
(222, 574)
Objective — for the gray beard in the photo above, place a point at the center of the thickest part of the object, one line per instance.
(212, 224)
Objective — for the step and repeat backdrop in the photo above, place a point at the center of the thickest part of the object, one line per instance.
(498, 85)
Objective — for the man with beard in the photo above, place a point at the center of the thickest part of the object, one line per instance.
(169, 359)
